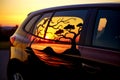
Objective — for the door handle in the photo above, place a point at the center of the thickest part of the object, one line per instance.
(91, 69)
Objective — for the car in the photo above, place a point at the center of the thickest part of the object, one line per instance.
(69, 42)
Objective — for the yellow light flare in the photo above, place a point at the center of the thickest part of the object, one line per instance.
(102, 24)
(46, 37)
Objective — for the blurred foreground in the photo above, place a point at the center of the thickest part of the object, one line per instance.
(4, 55)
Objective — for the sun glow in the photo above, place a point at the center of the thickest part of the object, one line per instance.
(13, 12)
(49, 36)
(46, 37)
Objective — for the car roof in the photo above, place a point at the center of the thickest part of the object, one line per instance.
(92, 5)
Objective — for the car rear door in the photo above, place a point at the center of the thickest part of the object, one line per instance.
(102, 44)
(57, 35)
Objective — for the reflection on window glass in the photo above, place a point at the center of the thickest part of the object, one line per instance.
(62, 26)
(101, 26)
(66, 27)
(31, 23)
(107, 29)
(42, 24)
(41, 27)
(60, 32)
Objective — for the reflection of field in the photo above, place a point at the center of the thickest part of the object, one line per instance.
(52, 60)
(58, 48)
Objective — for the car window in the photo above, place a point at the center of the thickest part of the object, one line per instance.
(60, 31)
(66, 26)
(107, 29)
(62, 26)
(41, 25)
(30, 24)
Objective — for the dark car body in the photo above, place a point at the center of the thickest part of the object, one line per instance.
(68, 42)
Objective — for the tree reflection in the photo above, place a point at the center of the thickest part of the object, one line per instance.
(61, 29)
(69, 29)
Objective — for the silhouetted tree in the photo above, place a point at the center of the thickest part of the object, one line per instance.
(60, 32)
(69, 29)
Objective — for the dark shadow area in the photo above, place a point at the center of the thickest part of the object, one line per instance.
(6, 32)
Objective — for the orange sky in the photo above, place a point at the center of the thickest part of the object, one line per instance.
(13, 12)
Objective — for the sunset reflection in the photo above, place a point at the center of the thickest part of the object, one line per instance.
(52, 60)
(102, 24)
(57, 24)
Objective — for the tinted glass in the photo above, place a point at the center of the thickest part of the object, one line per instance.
(66, 26)
(41, 25)
(59, 32)
(107, 29)
(30, 24)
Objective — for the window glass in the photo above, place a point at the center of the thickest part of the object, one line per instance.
(107, 29)
(30, 24)
(59, 32)
(40, 27)
(66, 26)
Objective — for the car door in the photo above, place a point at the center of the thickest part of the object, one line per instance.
(57, 36)
(102, 50)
